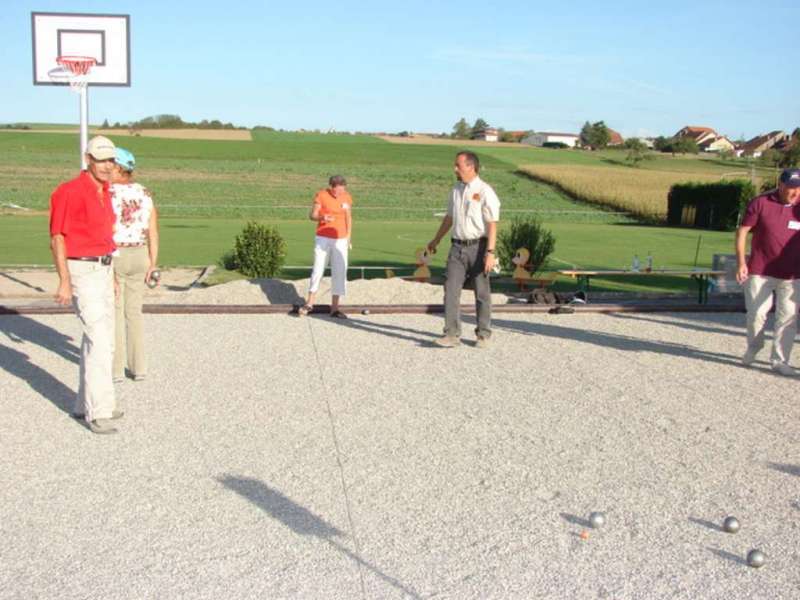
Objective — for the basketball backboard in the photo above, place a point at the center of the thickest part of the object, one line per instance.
(106, 38)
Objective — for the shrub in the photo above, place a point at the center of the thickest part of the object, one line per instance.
(525, 232)
(555, 145)
(709, 205)
(259, 251)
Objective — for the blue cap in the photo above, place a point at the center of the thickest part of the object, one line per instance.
(125, 159)
(791, 178)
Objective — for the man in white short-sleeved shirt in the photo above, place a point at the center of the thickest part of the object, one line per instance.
(473, 211)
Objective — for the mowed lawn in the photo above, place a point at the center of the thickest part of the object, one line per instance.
(202, 241)
(207, 190)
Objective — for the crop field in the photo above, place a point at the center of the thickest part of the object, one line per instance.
(638, 191)
(207, 190)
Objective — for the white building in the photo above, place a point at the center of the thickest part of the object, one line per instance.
(544, 137)
(490, 134)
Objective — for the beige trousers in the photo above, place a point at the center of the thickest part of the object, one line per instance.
(130, 267)
(758, 298)
(93, 296)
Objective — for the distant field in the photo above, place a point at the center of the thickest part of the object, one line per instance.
(276, 175)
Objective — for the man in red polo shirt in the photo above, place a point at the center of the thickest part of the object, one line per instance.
(81, 239)
(773, 266)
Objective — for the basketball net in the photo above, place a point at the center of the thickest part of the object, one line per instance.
(73, 70)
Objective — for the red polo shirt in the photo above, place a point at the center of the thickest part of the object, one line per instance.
(775, 249)
(84, 216)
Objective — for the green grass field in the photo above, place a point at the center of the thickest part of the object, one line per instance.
(207, 190)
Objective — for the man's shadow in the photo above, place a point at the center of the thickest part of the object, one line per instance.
(421, 338)
(607, 340)
(302, 521)
(22, 330)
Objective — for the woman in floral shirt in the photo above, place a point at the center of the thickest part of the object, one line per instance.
(136, 237)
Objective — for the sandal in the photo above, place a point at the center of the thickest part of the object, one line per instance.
(337, 314)
(302, 311)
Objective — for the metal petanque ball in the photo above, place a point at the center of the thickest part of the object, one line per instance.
(597, 520)
(756, 558)
(365, 311)
(154, 278)
(731, 524)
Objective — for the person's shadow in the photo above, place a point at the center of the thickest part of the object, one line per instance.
(302, 521)
(607, 340)
(421, 338)
(20, 331)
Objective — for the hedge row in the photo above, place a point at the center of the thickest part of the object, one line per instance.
(709, 205)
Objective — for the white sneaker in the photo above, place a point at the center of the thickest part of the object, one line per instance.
(784, 369)
(749, 357)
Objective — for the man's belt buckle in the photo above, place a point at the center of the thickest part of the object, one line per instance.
(105, 260)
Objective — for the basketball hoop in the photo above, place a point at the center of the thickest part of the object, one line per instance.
(73, 70)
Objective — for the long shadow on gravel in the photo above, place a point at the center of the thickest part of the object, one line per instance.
(422, 338)
(686, 319)
(301, 521)
(784, 468)
(607, 340)
(19, 365)
(21, 329)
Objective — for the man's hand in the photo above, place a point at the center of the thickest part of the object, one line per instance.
(431, 247)
(742, 273)
(489, 262)
(64, 293)
(147, 275)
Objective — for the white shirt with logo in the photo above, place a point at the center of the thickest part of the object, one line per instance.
(472, 205)
(132, 205)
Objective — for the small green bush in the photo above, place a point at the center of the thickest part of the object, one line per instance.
(259, 251)
(525, 232)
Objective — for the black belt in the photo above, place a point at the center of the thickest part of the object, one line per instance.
(468, 242)
(105, 260)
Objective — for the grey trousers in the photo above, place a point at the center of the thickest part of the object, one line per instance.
(465, 263)
(758, 299)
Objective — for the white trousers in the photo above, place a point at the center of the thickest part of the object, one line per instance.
(758, 299)
(93, 296)
(333, 250)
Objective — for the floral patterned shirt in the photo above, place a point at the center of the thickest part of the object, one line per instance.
(132, 205)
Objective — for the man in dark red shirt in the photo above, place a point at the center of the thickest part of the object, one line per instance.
(81, 239)
(773, 266)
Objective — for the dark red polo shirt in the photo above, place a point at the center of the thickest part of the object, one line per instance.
(84, 216)
(775, 248)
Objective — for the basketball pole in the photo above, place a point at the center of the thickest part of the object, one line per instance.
(84, 107)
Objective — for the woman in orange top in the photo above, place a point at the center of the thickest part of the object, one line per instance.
(332, 212)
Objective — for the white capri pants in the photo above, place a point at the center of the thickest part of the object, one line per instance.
(326, 248)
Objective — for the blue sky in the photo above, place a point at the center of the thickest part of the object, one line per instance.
(421, 65)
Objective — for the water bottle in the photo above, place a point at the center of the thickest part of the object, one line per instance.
(636, 265)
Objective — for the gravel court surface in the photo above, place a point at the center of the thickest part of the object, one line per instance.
(268, 456)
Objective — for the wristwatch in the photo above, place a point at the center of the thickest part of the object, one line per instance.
(490, 252)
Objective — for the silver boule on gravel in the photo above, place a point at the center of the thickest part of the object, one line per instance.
(365, 311)
(731, 524)
(597, 520)
(756, 558)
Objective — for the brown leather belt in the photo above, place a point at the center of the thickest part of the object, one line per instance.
(468, 242)
(105, 260)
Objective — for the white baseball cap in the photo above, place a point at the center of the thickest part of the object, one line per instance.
(101, 148)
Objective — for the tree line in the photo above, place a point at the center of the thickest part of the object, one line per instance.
(170, 122)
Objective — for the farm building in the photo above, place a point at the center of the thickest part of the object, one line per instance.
(720, 144)
(544, 137)
(490, 134)
(615, 138)
(759, 144)
(698, 134)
